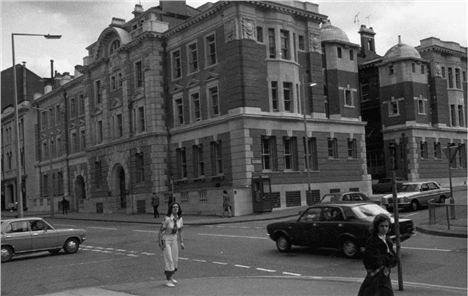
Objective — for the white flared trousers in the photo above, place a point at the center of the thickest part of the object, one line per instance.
(171, 254)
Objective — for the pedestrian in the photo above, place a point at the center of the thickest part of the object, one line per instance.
(170, 237)
(379, 257)
(64, 205)
(227, 207)
(155, 204)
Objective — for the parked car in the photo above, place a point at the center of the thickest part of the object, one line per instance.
(414, 195)
(344, 197)
(343, 226)
(25, 235)
(384, 185)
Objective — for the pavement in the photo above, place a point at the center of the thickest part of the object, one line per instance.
(249, 285)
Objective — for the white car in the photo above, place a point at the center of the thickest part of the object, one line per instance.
(413, 195)
(26, 235)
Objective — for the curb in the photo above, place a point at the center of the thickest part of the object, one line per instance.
(185, 222)
(440, 233)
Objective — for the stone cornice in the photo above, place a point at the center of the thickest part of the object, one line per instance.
(266, 4)
(441, 49)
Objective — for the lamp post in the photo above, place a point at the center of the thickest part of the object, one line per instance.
(19, 188)
(307, 158)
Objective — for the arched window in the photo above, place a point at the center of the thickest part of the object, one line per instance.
(114, 46)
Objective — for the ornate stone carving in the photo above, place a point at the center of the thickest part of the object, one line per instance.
(437, 70)
(315, 44)
(248, 28)
(229, 30)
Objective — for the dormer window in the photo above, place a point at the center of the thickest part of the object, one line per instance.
(114, 46)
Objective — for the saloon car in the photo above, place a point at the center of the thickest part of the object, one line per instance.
(413, 195)
(342, 226)
(344, 196)
(32, 234)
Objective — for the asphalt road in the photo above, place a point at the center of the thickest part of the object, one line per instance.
(127, 253)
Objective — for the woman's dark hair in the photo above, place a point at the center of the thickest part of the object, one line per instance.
(378, 220)
(169, 209)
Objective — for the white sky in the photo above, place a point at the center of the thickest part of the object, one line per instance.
(81, 22)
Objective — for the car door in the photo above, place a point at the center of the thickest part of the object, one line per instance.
(306, 230)
(330, 226)
(18, 235)
(43, 236)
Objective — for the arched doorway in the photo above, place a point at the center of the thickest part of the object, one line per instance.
(119, 186)
(80, 192)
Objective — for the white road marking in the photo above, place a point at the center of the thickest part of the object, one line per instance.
(241, 266)
(220, 263)
(199, 260)
(146, 231)
(427, 249)
(291, 273)
(102, 228)
(121, 250)
(264, 269)
(232, 236)
(148, 254)
(183, 258)
(132, 255)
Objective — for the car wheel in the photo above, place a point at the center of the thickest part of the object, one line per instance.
(349, 248)
(283, 244)
(54, 251)
(414, 205)
(71, 246)
(7, 253)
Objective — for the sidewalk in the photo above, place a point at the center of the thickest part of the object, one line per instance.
(261, 285)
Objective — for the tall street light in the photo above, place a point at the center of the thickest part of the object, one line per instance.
(19, 188)
(307, 158)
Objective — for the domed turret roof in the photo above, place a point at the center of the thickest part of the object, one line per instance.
(329, 32)
(402, 51)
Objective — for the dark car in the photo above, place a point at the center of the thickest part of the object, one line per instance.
(26, 235)
(343, 226)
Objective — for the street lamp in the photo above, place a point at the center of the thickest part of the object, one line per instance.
(19, 195)
(307, 158)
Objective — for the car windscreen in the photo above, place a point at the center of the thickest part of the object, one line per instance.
(329, 198)
(408, 188)
(369, 211)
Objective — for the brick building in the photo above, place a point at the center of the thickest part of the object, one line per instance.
(414, 99)
(192, 102)
(196, 101)
(28, 85)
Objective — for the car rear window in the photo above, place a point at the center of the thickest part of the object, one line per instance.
(369, 210)
(19, 226)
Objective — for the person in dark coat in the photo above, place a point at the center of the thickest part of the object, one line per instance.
(379, 257)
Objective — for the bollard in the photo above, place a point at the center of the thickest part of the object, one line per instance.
(447, 215)
(452, 208)
(432, 218)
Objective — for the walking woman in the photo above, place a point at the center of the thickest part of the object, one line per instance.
(170, 236)
(379, 258)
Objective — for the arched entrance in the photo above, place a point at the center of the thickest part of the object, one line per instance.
(119, 185)
(80, 193)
